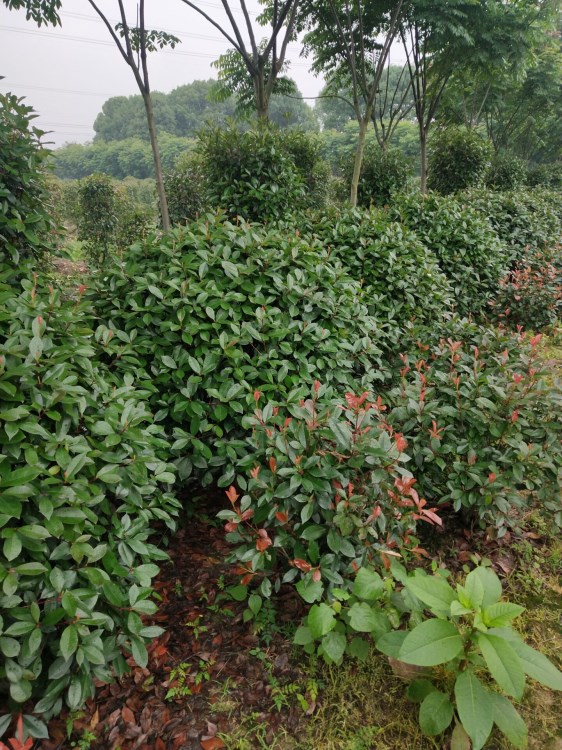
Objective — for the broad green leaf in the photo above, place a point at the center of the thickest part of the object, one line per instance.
(503, 663)
(321, 620)
(436, 713)
(12, 547)
(483, 587)
(433, 591)
(509, 721)
(68, 641)
(359, 648)
(310, 590)
(460, 739)
(537, 666)
(362, 617)
(431, 643)
(303, 636)
(391, 643)
(35, 727)
(474, 708)
(368, 584)
(418, 690)
(500, 614)
(9, 647)
(334, 645)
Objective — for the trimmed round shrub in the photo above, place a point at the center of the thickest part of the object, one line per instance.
(213, 312)
(522, 218)
(458, 159)
(469, 251)
(507, 172)
(546, 176)
(401, 277)
(262, 174)
(383, 173)
(26, 226)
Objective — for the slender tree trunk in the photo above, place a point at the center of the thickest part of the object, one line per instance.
(423, 161)
(262, 101)
(360, 150)
(162, 200)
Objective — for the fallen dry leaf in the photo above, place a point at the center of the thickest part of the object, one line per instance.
(212, 743)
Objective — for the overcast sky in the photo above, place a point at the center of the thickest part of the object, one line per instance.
(67, 73)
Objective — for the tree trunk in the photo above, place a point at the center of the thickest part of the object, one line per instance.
(162, 200)
(423, 161)
(262, 102)
(363, 123)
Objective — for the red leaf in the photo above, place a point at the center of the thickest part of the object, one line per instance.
(127, 715)
(231, 494)
(212, 743)
(302, 565)
(281, 516)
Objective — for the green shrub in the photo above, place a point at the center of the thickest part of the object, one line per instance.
(255, 174)
(383, 173)
(325, 490)
(522, 218)
(186, 190)
(507, 172)
(481, 425)
(81, 482)
(531, 294)
(546, 176)
(469, 251)
(401, 277)
(26, 226)
(97, 221)
(458, 159)
(212, 312)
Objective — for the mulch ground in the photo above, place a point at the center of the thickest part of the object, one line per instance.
(207, 639)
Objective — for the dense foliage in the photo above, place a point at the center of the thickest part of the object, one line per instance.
(469, 251)
(81, 482)
(383, 173)
(459, 158)
(25, 222)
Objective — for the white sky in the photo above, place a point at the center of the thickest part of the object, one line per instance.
(67, 73)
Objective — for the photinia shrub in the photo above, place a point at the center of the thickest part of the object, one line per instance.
(401, 278)
(481, 424)
(469, 252)
(383, 173)
(531, 294)
(81, 482)
(214, 311)
(507, 172)
(459, 158)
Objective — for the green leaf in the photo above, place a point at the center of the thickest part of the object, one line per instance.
(68, 641)
(35, 727)
(433, 591)
(9, 647)
(368, 585)
(155, 291)
(303, 636)
(431, 643)
(537, 666)
(500, 614)
(310, 590)
(509, 721)
(140, 654)
(334, 645)
(321, 620)
(483, 587)
(359, 648)
(362, 617)
(169, 362)
(503, 663)
(12, 547)
(474, 708)
(418, 690)
(436, 713)
(391, 643)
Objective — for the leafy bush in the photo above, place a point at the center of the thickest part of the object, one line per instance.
(255, 173)
(401, 277)
(25, 223)
(468, 250)
(327, 492)
(185, 190)
(481, 424)
(212, 311)
(458, 159)
(522, 218)
(470, 632)
(81, 482)
(531, 294)
(383, 173)
(507, 172)
(546, 176)
(97, 222)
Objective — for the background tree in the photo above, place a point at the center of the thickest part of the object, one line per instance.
(262, 61)
(350, 42)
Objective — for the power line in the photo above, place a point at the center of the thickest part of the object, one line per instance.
(74, 92)
(101, 42)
